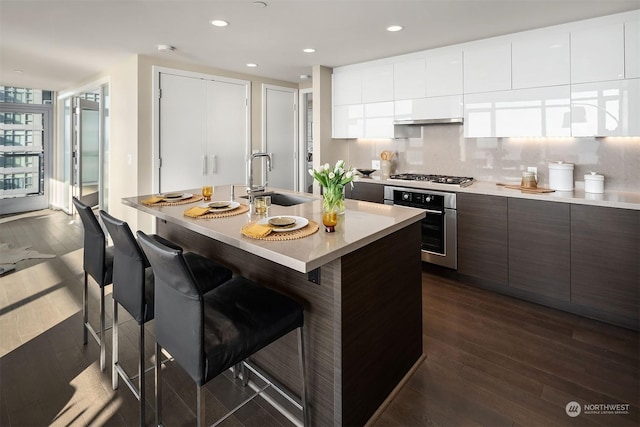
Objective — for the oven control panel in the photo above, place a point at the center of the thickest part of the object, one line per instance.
(421, 200)
(426, 199)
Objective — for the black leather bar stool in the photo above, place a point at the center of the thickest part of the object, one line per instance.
(208, 332)
(133, 289)
(97, 263)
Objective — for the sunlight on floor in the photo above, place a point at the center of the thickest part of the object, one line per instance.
(37, 298)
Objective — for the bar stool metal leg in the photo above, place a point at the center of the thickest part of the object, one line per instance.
(117, 370)
(200, 408)
(141, 390)
(245, 375)
(103, 349)
(85, 311)
(303, 374)
(158, 385)
(114, 346)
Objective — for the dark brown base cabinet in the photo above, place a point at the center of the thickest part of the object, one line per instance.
(540, 248)
(365, 191)
(605, 263)
(483, 239)
(577, 258)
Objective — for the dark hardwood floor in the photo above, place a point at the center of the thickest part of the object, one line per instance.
(490, 359)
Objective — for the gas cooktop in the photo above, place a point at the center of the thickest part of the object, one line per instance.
(438, 179)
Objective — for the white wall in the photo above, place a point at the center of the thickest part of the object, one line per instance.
(325, 149)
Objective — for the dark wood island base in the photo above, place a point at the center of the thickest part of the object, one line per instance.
(363, 320)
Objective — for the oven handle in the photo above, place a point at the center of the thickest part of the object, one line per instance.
(431, 211)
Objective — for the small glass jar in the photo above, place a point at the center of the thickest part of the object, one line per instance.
(528, 180)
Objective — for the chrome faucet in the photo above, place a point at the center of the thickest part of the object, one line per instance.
(256, 188)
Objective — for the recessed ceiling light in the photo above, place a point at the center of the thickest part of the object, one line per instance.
(166, 48)
(219, 23)
(18, 71)
(304, 77)
(394, 28)
(259, 4)
(252, 65)
(309, 50)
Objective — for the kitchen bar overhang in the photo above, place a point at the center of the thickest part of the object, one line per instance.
(363, 312)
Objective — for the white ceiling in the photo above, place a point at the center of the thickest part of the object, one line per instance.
(57, 43)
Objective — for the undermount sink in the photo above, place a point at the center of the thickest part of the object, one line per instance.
(281, 199)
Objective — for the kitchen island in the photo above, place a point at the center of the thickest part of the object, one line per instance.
(361, 288)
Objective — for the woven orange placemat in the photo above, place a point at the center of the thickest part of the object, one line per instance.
(192, 199)
(211, 215)
(308, 230)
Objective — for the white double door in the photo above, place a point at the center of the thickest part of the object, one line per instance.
(203, 131)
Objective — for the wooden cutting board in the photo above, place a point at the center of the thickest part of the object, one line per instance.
(538, 190)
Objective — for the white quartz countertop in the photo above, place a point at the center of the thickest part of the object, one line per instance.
(612, 199)
(361, 224)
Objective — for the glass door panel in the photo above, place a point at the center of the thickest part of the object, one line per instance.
(23, 138)
(87, 151)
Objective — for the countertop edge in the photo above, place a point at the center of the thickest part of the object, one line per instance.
(272, 255)
(610, 198)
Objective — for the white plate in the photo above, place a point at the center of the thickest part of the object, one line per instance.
(232, 206)
(300, 222)
(173, 195)
(184, 196)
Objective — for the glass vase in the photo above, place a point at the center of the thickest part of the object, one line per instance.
(334, 198)
(332, 206)
(329, 219)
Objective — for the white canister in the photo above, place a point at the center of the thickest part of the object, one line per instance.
(594, 183)
(561, 176)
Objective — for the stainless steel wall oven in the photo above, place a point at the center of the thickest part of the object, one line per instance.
(439, 227)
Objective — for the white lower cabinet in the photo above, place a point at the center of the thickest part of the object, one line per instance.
(439, 107)
(607, 108)
(518, 113)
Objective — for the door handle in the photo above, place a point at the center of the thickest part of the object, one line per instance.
(204, 165)
(214, 164)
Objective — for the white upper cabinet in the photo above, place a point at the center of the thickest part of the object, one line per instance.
(378, 120)
(347, 87)
(597, 54)
(518, 113)
(437, 107)
(348, 121)
(444, 72)
(377, 83)
(607, 108)
(409, 79)
(540, 59)
(577, 79)
(632, 49)
(487, 67)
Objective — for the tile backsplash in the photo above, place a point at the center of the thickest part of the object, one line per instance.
(442, 149)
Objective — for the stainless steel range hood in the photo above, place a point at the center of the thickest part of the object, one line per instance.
(424, 122)
(412, 128)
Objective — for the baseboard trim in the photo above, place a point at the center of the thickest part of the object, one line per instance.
(395, 391)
